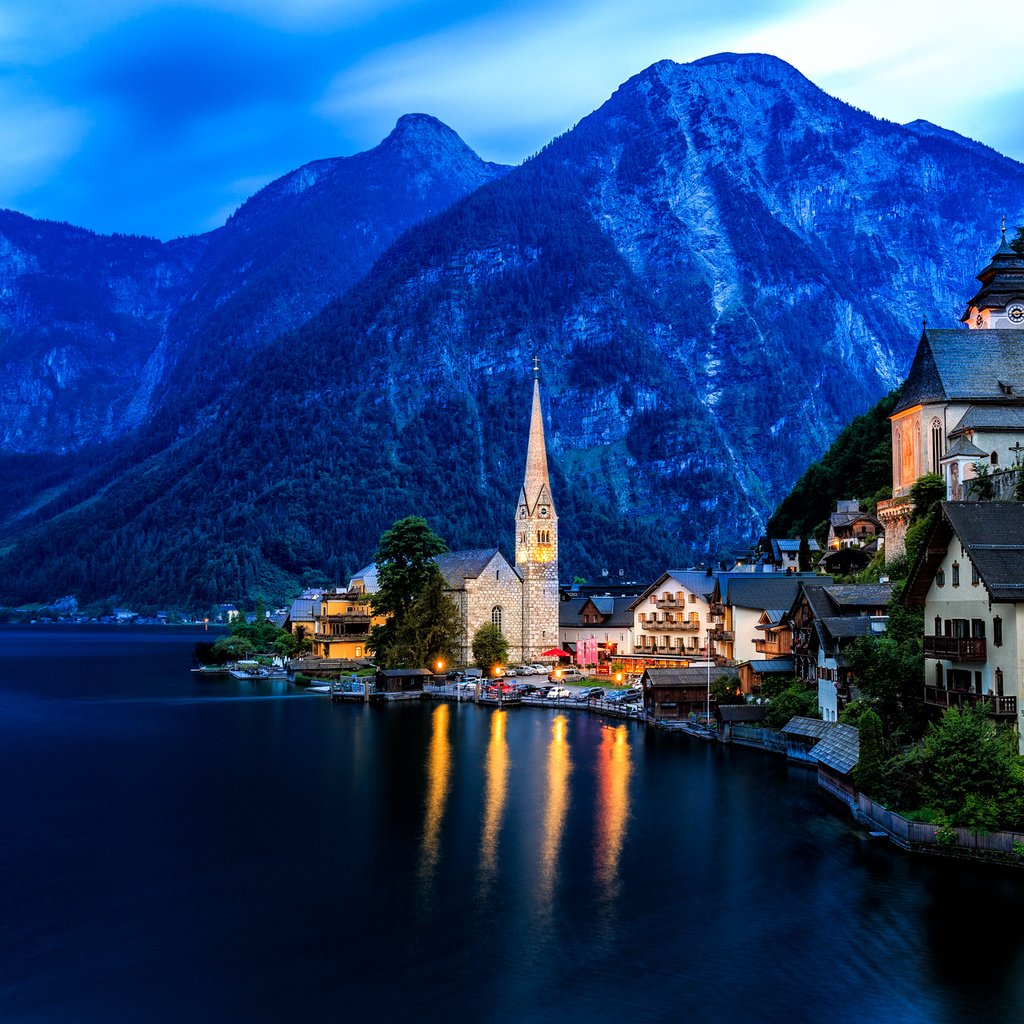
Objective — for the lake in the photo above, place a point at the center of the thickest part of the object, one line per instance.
(175, 849)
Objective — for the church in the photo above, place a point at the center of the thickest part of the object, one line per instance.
(521, 599)
(963, 401)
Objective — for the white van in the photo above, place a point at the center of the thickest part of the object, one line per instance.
(569, 674)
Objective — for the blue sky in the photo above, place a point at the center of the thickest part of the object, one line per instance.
(156, 117)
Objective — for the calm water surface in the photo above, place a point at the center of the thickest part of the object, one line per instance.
(180, 850)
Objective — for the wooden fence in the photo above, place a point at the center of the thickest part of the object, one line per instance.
(916, 835)
(753, 736)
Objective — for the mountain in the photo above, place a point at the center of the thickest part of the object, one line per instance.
(98, 334)
(718, 269)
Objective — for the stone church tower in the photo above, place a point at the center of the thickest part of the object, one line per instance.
(537, 541)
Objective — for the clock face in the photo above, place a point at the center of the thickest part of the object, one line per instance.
(980, 320)
(543, 510)
(1015, 311)
(522, 511)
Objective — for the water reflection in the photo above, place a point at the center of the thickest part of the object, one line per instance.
(496, 774)
(613, 771)
(439, 768)
(559, 766)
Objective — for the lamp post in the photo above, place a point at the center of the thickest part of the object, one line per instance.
(497, 684)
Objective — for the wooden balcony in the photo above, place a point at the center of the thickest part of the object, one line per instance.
(998, 707)
(955, 648)
(671, 627)
(667, 602)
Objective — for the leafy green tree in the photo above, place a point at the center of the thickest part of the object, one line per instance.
(794, 701)
(889, 672)
(925, 494)
(489, 646)
(803, 555)
(726, 690)
(870, 762)
(983, 486)
(405, 565)
(432, 630)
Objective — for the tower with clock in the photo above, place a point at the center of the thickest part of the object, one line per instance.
(537, 540)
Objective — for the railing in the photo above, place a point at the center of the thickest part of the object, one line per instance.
(955, 648)
(723, 636)
(667, 602)
(338, 637)
(998, 707)
(686, 626)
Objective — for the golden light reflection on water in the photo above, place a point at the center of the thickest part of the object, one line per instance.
(613, 771)
(559, 767)
(496, 775)
(439, 769)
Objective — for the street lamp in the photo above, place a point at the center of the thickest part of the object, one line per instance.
(497, 684)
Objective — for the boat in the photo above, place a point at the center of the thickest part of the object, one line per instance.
(211, 670)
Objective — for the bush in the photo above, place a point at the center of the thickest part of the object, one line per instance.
(795, 701)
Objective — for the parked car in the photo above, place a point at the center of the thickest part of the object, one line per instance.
(528, 689)
(590, 693)
(559, 693)
(538, 669)
(569, 674)
(466, 687)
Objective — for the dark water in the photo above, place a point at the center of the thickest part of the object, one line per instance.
(177, 850)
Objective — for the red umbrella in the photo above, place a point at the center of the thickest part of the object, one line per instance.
(556, 652)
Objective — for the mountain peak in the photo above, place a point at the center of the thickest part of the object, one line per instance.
(416, 133)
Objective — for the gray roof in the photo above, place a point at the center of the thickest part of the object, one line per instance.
(368, 574)
(616, 611)
(807, 727)
(962, 447)
(696, 675)
(840, 749)
(993, 534)
(788, 544)
(772, 667)
(304, 608)
(845, 626)
(966, 365)
(991, 417)
(741, 712)
(762, 592)
(458, 566)
(774, 616)
(860, 595)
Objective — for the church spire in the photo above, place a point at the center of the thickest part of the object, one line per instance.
(536, 483)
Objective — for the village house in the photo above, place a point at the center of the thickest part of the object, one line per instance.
(675, 693)
(969, 579)
(743, 604)
(963, 401)
(342, 623)
(826, 618)
(853, 539)
(672, 617)
(301, 617)
(605, 620)
(783, 553)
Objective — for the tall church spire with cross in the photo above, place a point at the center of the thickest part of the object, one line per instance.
(537, 540)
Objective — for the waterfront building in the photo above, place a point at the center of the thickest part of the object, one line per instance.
(969, 579)
(671, 618)
(606, 620)
(342, 623)
(963, 401)
(675, 693)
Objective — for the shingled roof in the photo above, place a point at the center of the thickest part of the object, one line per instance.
(991, 417)
(840, 749)
(965, 365)
(458, 566)
(992, 534)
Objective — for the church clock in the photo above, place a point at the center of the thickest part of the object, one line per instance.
(1015, 311)
(543, 511)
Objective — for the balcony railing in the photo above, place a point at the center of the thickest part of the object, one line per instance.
(955, 648)
(686, 626)
(725, 636)
(667, 602)
(998, 707)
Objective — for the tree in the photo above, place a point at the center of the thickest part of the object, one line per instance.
(490, 647)
(431, 631)
(925, 494)
(405, 565)
(803, 556)
(726, 690)
(983, 487)
(870, 762)
(795, 701)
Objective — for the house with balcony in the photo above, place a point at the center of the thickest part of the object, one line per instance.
(783, 553)
(606, 620)
(341, 624)
(853, 539)
(826, 618)
(969, 579)
(671, 618)
(747, 610)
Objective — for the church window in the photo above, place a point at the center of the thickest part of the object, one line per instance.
(497, 574)
(496, 615)
(936, 445)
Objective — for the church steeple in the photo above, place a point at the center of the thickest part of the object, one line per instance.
(537, 540)
(536, 482)
(1000, 302)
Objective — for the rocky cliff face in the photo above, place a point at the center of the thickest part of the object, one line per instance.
(717, 268)
(98, 333)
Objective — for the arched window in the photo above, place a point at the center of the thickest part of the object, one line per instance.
(994, 458)
(897, 454)
(936, 444)
(496, 615)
